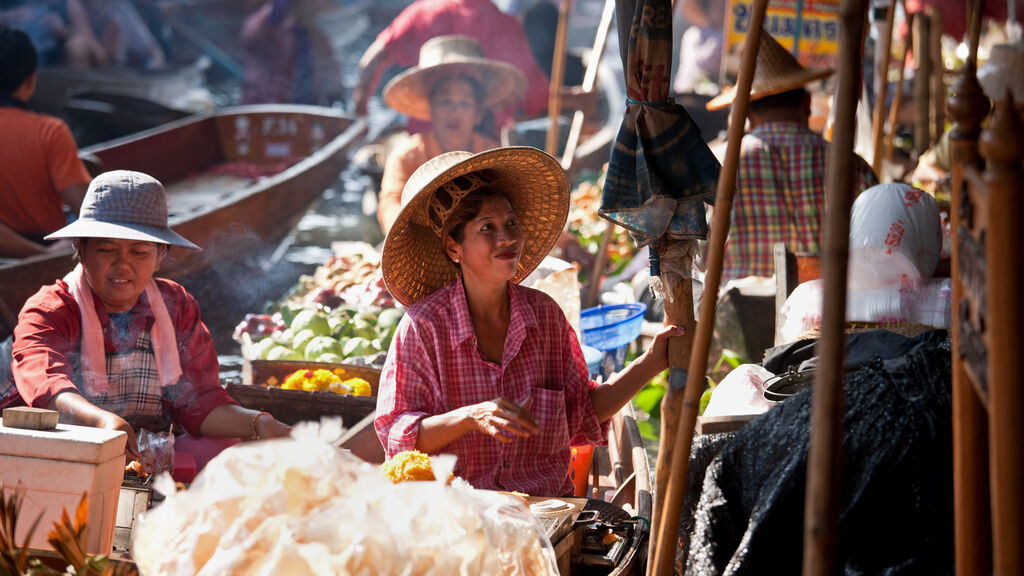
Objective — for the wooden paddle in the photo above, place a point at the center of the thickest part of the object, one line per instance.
(557, 77)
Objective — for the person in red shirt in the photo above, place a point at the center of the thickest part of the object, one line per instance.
(110, 346)
(500, 35)
(452, 87)
(40, 171)
(481, 367)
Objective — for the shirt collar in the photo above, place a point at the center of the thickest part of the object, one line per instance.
(780, 128)
(521, 317)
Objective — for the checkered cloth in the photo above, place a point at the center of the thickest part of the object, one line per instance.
(134, 391)
(780, 197)
(434, 366)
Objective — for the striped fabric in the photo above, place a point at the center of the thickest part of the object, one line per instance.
(434, 367)
(780, 197)
(134, 392)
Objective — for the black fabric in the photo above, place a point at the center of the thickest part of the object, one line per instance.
(12, 102)
(861, 349)
(896, 500)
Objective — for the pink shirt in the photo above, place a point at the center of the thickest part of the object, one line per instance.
(434, 366)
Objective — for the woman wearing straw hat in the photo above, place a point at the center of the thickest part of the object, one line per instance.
(111, 346)
(780, 182)
(481, 367)
(453, 87)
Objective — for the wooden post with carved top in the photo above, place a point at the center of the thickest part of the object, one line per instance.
(1002, 147)
(968, 106)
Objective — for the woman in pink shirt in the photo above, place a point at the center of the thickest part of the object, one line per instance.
(481, 367)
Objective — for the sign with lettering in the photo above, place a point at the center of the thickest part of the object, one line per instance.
(814, 23)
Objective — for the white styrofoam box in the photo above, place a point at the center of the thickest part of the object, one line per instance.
(56, 467)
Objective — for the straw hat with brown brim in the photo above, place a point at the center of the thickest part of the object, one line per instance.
(444, 57)
(125, 205)
(414, 263)
(777, 71)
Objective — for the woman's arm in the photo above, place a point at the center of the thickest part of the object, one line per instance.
(610, 397)
(75, 409)
(499, 418)
(233, 421)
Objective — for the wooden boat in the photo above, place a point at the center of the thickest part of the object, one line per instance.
(97, 117)
(237, 182)
(177, 87)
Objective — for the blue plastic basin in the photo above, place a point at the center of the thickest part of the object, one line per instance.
(611, 327)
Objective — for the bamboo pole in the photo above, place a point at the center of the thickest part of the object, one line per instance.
(589, 79)
(557, 77)
(922, 82)
(664, 553)
(897, 98)
(594, 288)
(821, 508)
(882, 84)
(938, 88)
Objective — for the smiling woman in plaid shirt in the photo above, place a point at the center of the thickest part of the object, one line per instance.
(481, 367)
(110, 346)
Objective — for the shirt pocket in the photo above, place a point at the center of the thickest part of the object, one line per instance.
(549, 410)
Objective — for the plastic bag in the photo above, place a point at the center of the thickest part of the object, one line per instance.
(895, 237)
(300, 506)
(156, 451)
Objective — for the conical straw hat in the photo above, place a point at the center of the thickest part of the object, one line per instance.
(777, 71)
(413, 261)
(444, 57)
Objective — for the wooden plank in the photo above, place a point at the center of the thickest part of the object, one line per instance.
(27, 418)
(719, 424)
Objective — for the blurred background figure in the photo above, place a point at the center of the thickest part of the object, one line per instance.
(700, 49)
(500, 36)
(452, 87)
(288, 58)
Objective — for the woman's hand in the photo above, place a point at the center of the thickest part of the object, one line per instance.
(267, 426)
(655, 358)
(503, 419)
(111, 421)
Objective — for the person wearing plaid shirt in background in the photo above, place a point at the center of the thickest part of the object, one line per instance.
(481, 367)
(780, 184)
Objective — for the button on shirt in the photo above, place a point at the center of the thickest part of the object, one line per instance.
(434, 366)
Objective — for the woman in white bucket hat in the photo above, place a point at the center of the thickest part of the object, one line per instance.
(109, 345)
(481, 367)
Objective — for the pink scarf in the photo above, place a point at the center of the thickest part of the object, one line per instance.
(94, 358)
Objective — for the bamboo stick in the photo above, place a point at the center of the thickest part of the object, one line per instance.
(897, 98)
(821, 508)
(668, 532)
(922, 82)
(594, 288)
(557, 77)
(882, 84)
(938, 88)
(589, 79)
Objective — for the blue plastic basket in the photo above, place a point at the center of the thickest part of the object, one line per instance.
(611, 327)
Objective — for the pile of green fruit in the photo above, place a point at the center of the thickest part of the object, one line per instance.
(319, 334)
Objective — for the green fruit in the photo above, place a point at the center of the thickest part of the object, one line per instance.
(260, 349)
(282, 353)
(302, 339)
(283, 337)
(321, 345)
(311, 320)
(389, 318)
(329, 357)
(356, 346)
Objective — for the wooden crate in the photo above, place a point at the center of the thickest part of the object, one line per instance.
(292, 406)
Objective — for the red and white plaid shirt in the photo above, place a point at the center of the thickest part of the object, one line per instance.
(780, 196)
(434, 367)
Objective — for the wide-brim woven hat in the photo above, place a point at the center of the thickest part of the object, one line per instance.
(124, 204)
(444, 57)
(777, 71)
(414, 263)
